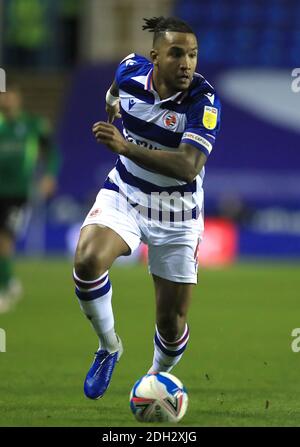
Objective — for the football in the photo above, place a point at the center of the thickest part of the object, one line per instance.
(158, 397)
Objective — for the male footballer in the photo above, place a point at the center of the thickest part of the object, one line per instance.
(154, 194)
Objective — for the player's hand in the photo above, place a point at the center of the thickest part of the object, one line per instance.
(109, 135)
(113, 112)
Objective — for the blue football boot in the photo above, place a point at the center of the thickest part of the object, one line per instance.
(99, 376)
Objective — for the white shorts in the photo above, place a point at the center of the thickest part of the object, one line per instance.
(172, 250)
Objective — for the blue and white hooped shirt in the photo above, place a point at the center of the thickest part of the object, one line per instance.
(191, 117)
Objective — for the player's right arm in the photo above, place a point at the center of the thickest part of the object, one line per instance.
(113, 102)
(126, 66)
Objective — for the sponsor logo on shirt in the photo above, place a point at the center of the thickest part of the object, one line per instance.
(140, 142)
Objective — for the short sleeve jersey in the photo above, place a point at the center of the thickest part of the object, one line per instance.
(191, 117)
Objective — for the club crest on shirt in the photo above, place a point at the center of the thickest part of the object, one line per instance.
(210, 116)
(170, 120)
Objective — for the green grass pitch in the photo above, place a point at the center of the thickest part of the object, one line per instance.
(239, 367)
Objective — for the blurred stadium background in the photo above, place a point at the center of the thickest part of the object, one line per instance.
(63, 53)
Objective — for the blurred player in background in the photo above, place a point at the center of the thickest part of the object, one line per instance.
(25, 143)
(154, 193)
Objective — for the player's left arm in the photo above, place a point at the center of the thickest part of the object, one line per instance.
(203, 120)
(184, 164)
(195, 159)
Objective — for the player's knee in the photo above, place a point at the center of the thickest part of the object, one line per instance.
(89, 263)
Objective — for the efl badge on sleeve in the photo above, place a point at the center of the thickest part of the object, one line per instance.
(210, 116)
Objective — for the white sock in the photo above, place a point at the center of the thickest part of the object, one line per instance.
(167, 354)
(95, 301)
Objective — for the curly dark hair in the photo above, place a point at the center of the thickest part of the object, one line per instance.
(159, 25)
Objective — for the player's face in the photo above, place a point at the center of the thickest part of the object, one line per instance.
(10, 103)
(176, 58)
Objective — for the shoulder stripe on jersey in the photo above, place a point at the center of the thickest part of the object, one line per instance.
(210, 97)
(150, 130)
(148, 187)
(130, 56)
(134, 88)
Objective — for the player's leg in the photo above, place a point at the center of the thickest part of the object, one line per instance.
(174, 271)
(172, 332)
(96, 251)
(107, 233)
(10, 287)
(6, 269)
(6, 253)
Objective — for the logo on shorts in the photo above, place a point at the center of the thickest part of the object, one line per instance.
(95, 212)
(170, 120)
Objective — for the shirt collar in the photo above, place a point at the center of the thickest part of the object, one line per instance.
(178, 97)
(149, 80)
